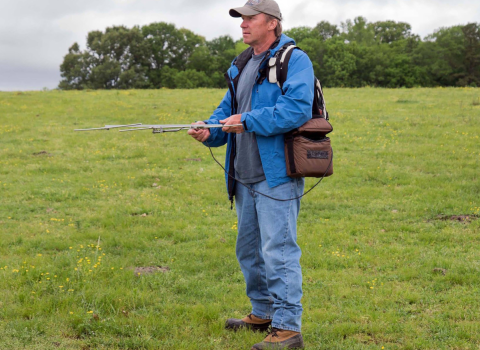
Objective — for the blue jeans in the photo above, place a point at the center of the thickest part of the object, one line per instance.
(268, 252)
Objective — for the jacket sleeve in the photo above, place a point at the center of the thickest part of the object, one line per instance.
(292, 109)
(217, 136)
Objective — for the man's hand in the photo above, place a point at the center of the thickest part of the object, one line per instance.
(234, 119)
(200, 135)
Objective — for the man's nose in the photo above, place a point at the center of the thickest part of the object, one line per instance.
(243, 25)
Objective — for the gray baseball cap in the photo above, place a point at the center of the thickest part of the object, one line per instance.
(254, 7)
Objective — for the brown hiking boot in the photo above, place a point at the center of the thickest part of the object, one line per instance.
(280, 339)
(249, 322)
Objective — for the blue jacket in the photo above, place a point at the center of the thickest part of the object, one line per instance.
(272, 115)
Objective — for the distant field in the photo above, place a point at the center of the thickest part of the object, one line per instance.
(391, 256)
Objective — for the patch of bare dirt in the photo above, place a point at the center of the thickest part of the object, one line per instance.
(458, 218)
(70, 336)
(148, 270)
(440, 270)
(366, 338)
(144, 215)
(43, 153)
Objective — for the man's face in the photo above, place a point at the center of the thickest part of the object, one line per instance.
(255, 29)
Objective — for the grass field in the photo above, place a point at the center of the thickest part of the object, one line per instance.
(389, 262)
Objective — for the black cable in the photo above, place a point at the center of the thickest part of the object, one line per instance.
(263, 194)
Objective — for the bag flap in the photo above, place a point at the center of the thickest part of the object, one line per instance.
(317, 125)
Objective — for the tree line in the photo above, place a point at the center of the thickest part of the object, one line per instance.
(355, 54)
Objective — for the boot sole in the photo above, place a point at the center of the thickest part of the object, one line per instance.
(249, 326)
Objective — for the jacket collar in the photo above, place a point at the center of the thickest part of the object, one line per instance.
(245, 56)
(279, 43)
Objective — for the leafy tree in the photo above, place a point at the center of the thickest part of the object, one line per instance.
(400, 72)
(359, 31)
(118, 50)
(338, 64)
(472, 55)
(189, 42)
(114, 59)
(214, 59)
(105, 75)
(326, 30)
(75, 69)
(220, 45)
(167, 77)
(370, 64)
(315, 49)
(299, 34)
(443, 55)
(201, 60)
(240, 46)
(218, 80)
(222, 53)
(383, 53)
(191, 79)
(387, 32)
(168, 46)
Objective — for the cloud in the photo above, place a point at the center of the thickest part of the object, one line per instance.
(35, 34)
(423, 15)
(14, 78)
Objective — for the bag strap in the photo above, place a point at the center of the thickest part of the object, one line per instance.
(290, 153)
(277, 72)
(320, 100)
(278, 65)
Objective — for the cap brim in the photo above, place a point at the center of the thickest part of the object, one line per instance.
(243, 11)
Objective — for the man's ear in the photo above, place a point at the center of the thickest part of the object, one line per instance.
(273, 24)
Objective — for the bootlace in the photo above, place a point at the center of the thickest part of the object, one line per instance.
(273, 332)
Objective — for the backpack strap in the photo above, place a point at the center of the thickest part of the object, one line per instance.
(319, 100)
(276, 74)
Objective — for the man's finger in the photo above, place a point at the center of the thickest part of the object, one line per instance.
(206, 135)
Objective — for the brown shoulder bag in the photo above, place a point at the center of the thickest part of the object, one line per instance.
(308, 151)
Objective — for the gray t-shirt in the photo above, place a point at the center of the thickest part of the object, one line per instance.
(248, 165)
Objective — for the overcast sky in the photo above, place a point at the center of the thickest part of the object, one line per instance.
(36, 34)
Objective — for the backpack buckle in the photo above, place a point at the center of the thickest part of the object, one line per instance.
(272, 70)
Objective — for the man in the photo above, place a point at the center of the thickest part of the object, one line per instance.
(266, 249)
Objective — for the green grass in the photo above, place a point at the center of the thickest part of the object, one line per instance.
(374, 236)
